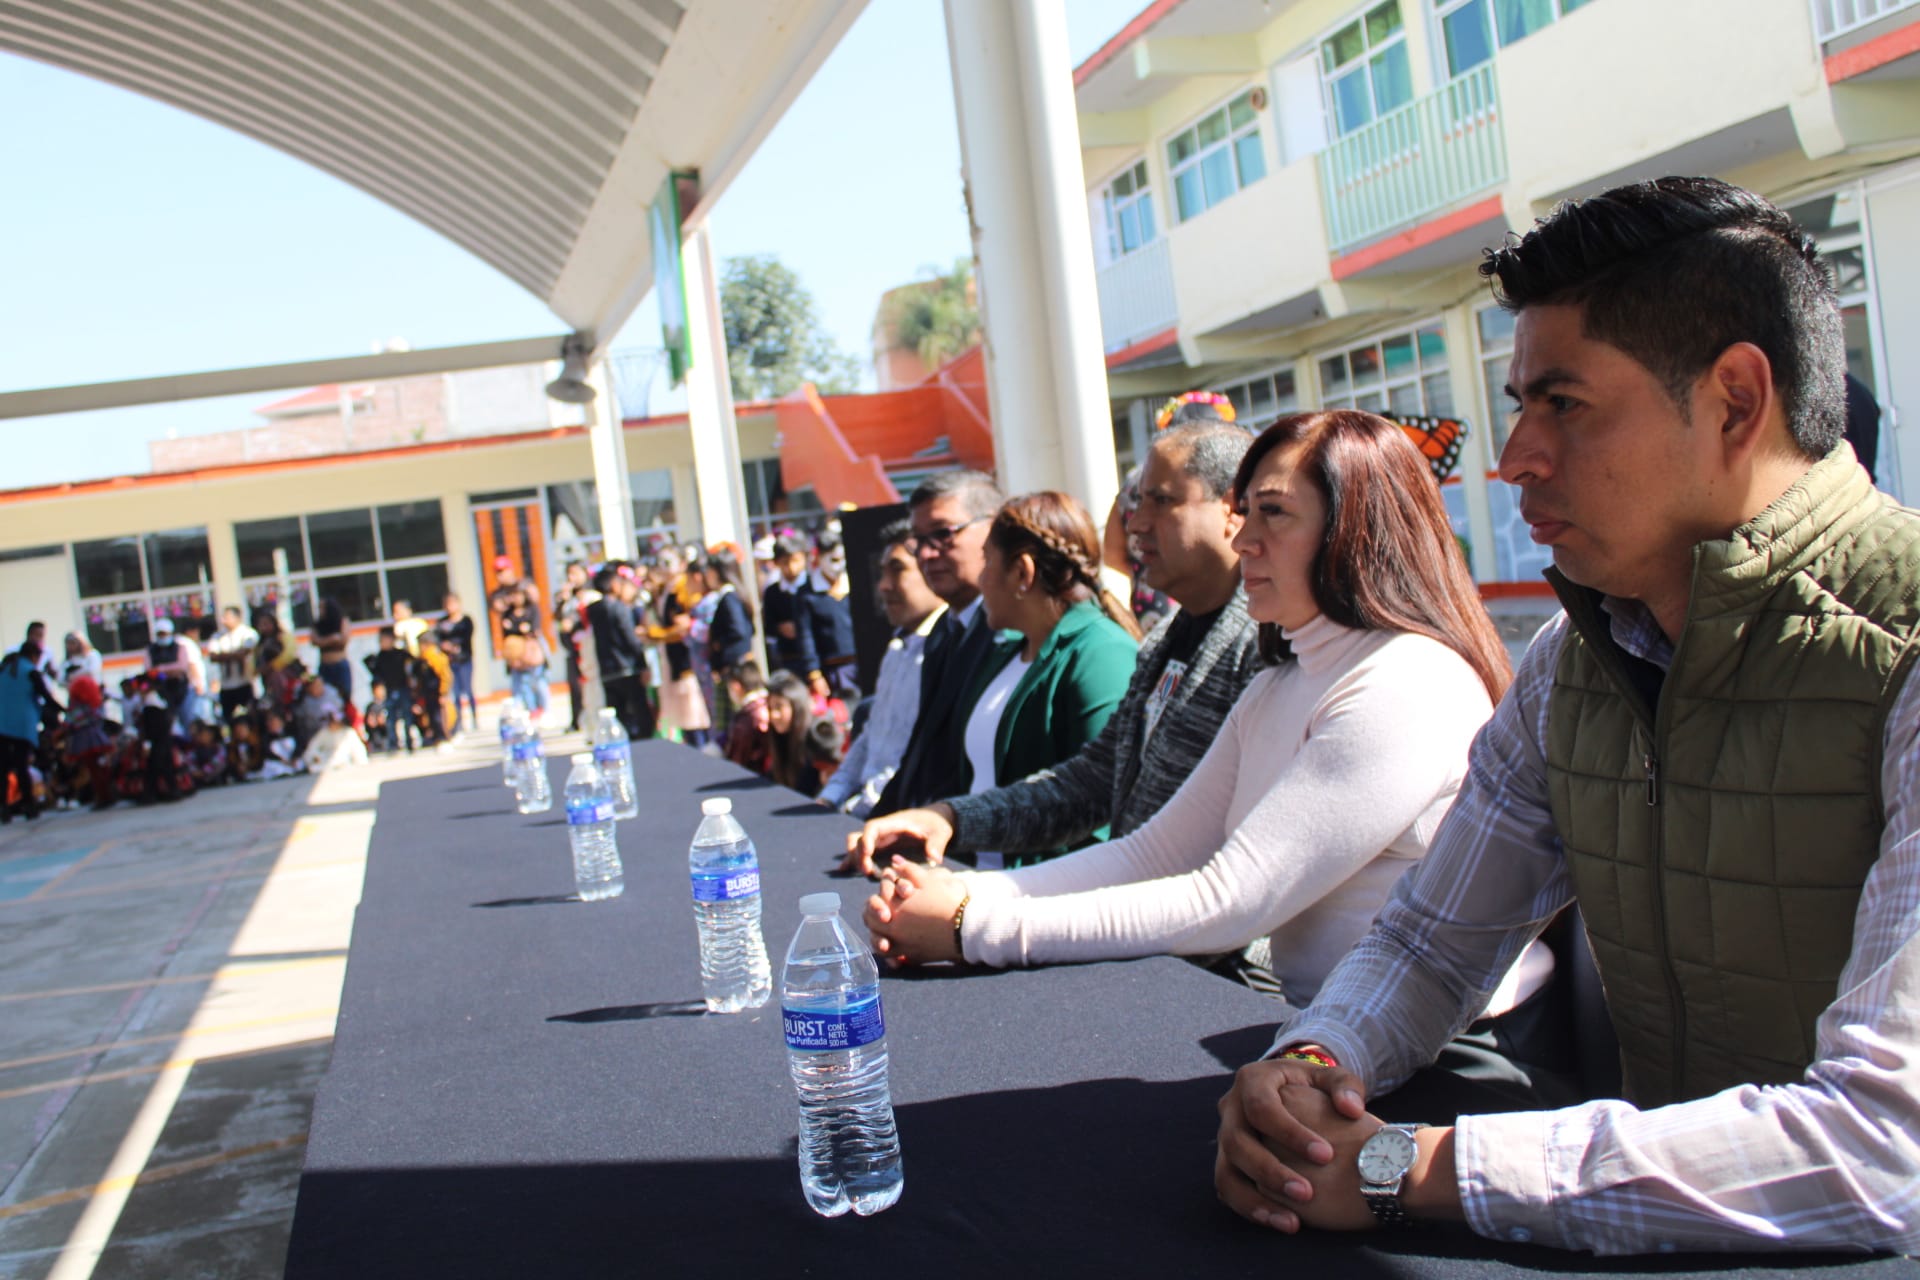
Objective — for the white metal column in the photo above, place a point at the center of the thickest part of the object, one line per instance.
(612, 485)
(1039, 299)
(717, 477)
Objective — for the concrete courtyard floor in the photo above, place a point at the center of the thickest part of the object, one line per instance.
(169, 978)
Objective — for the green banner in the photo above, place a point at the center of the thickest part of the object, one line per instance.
(670, 277)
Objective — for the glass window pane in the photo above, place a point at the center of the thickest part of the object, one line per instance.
(1352, 101)
(1518, 19)
(424, 586)
(341, 537)
(1347, 45)
(1382, 22)
(1859, 339)
(1213, 129)
(1404, 398)
(188, 609)
(1399, 355)
(1371, 402)
(1237, 396)
(117, 626)
(266, 595)
(1496, 328)
(1365, 362)
(109, 567)
(1469, 43)
(1438, 388)
(258, 538)
(357, 593)
(1392, 78)
(1260, 396)
(1240, 110)
(1129, 230)
(1181, 148)
(412, 529)
(178, 558)
(1252, 160)
(1144, 207)
(1140, 176)
(1432, 342)
(1187, 196)
(1123, 185)
(1333, 377)
(1285, 396)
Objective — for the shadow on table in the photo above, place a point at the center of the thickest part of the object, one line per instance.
(476, 786)
(480, 813)
(1103, 1178)
(637, 1012)
(543, 900)
(755, 783)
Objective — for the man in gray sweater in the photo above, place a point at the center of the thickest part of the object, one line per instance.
(1191, 669)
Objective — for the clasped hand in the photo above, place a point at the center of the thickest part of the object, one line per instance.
(910, 832)
(911, 917)
(1290, 1137)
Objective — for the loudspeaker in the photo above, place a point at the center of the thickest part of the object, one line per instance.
(860, 535)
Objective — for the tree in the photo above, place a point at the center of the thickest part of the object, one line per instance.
(942, 319)
(774, 339)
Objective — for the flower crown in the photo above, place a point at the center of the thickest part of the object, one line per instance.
(1220, 404)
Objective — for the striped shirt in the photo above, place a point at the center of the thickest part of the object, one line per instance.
(1831, 1162)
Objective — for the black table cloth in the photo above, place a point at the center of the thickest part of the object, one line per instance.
(525, 1085)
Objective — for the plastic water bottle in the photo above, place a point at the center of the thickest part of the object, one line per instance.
(614, 756)
(513, 723)
(726, 906)
(530, 786)
(596, 860)
(837, 1051)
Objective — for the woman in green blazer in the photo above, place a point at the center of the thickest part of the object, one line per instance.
(1065, 658)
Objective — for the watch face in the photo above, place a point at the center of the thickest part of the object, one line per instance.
(1386, 1156)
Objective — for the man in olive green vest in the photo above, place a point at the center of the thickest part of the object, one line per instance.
(1712, 752)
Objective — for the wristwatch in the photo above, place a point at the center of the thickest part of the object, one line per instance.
(1385, 1160)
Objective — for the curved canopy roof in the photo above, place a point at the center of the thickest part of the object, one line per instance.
(532, 134)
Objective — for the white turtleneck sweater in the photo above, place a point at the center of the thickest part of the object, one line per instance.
(1326, 782)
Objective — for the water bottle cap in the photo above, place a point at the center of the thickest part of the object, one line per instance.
(715, 807)
(581, 757)
(820, 904)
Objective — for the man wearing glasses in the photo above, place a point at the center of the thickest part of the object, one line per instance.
(950, 513)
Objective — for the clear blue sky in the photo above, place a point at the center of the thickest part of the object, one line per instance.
(137, 240)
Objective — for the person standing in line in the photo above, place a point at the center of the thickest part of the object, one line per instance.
(617, 645)
(569, 622)
(392, 669)
(23, 692)
(330, 635)
(408, 627)
(729, 631)
(82, 660)
(232, 652)
(456, 641)
(520, 644)
(783, 605)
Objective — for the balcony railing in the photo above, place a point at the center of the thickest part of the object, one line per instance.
(1837, 17)
(1415, 161)
(1136, 296)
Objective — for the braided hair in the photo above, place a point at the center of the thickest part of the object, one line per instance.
(1058, 534)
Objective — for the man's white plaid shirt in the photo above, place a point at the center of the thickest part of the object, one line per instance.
(1830, 1162)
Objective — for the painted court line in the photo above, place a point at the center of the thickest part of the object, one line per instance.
(240, 965)
(158, 1173)
(305, 1015)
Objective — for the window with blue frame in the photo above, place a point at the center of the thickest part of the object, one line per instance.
(1470, 30)
(1365, 68)
(1216, 157)
(1129, 206)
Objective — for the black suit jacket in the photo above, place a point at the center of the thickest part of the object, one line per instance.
(937, 752)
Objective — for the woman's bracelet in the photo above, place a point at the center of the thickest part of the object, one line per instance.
(959, 918)
(1319, 1057)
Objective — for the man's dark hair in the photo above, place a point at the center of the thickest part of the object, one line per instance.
(977, 491)
(388, 633)
(746, 674)
(234, 610)
(890, 535)
(603, 580)
(31, 625)
(1673, 272)
(784, 546)
(1212, 451)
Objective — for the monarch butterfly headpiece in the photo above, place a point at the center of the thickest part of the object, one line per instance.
(1439, 440)
(1221, 406)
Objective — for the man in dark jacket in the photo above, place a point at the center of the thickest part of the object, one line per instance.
(616, 642)
(950, 512)
(1191, 669)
